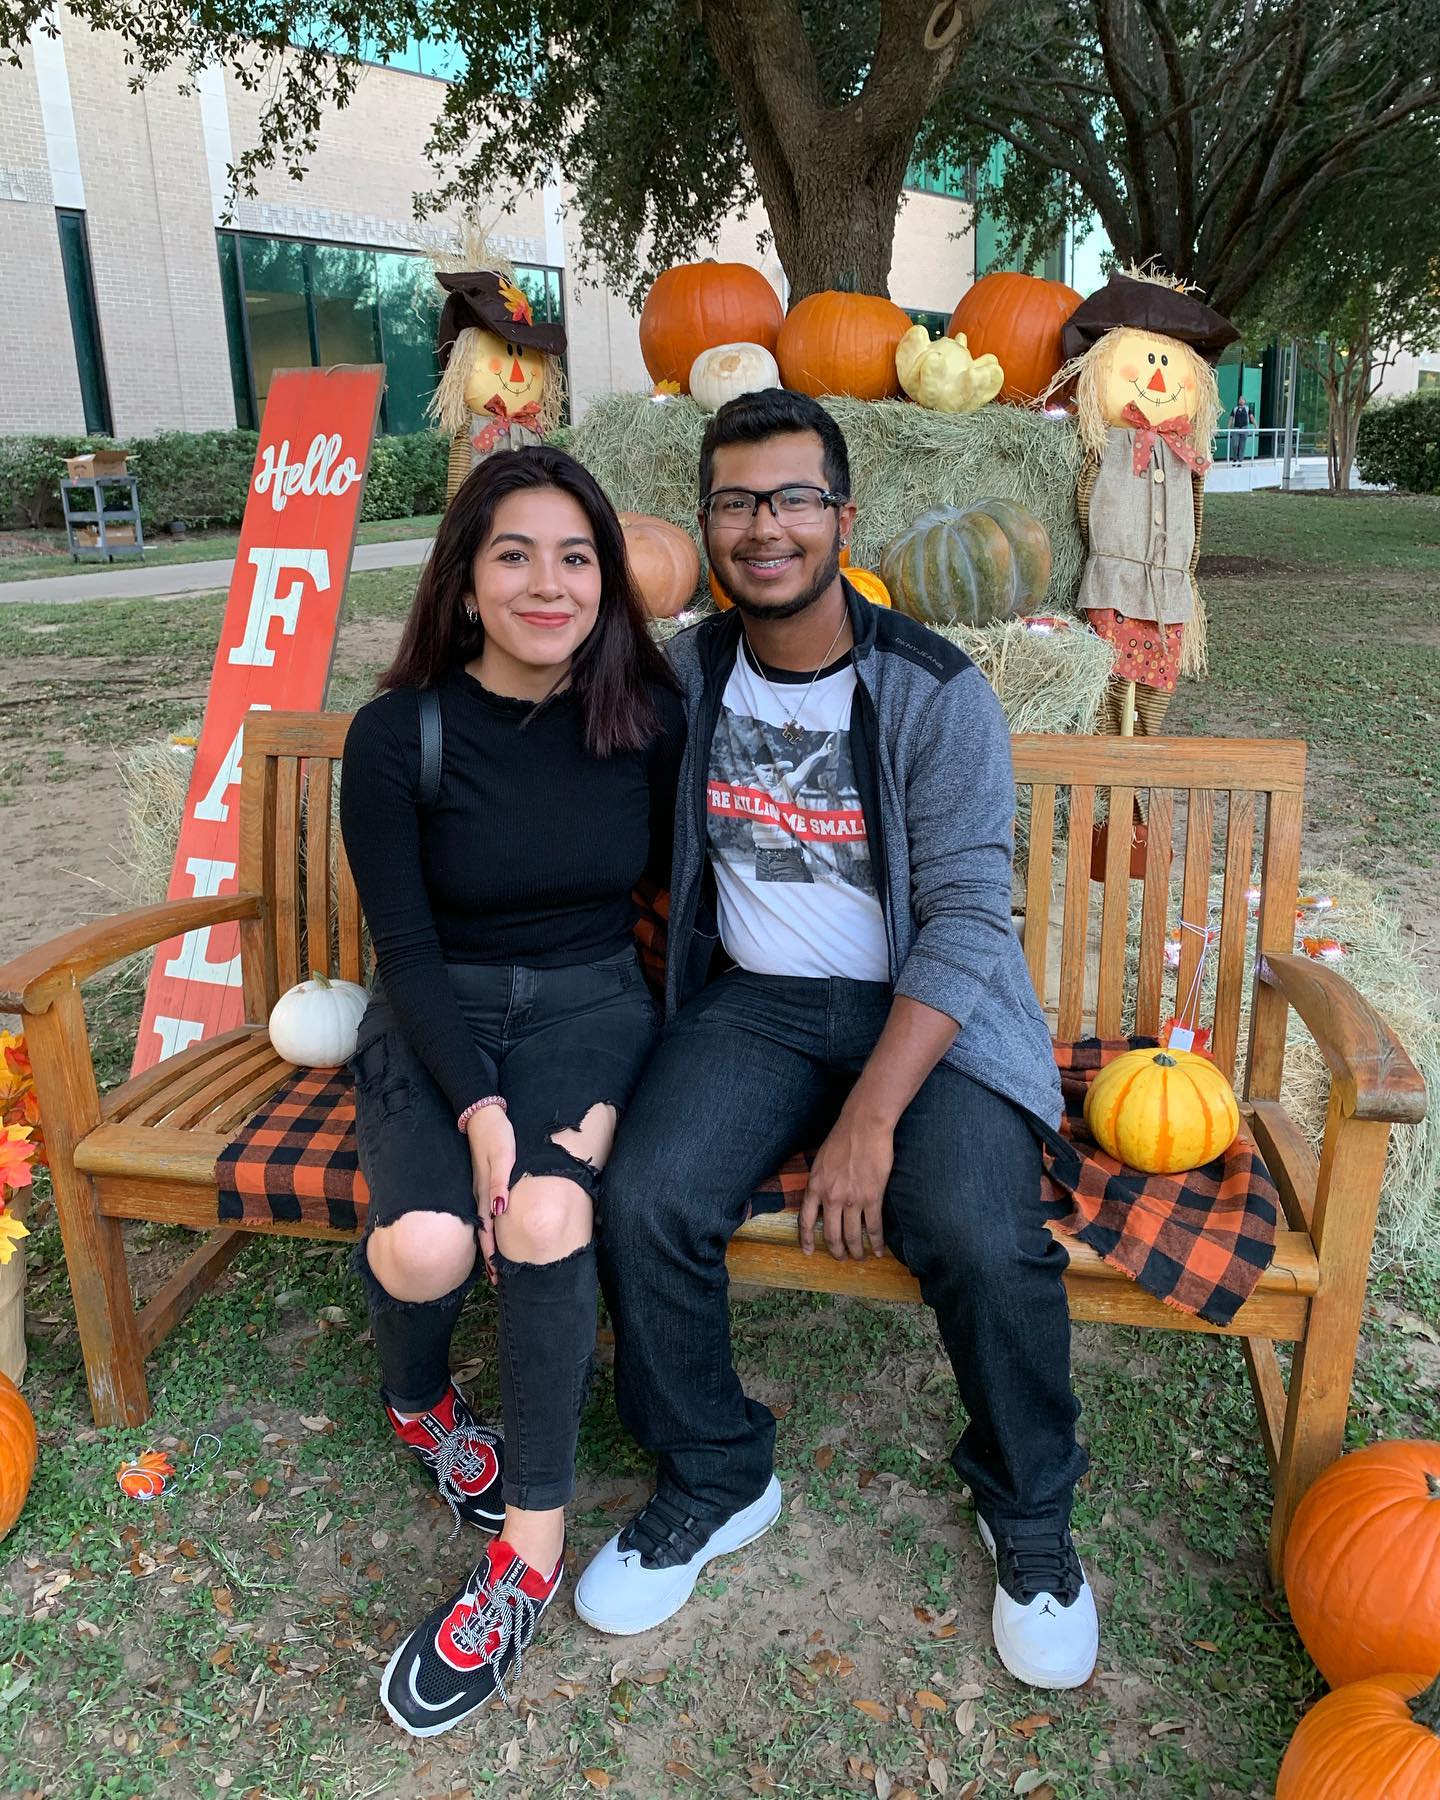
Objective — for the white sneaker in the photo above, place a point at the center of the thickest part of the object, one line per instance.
(1044, 1619)
(647, 1572)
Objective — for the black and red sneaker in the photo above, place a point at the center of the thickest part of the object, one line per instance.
(464, 1458)
(467, 1650)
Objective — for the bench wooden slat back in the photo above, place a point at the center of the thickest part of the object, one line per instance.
(291, 854)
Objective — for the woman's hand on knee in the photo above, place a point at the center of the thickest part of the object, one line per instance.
(492, 1161)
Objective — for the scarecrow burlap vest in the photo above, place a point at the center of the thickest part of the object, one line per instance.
(1142, 534)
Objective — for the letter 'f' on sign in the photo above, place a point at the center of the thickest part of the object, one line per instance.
(191, 962)
(267, 602)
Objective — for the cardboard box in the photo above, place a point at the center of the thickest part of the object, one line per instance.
(98, 462)
(87, 537)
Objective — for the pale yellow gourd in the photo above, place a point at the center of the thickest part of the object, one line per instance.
(942, 375)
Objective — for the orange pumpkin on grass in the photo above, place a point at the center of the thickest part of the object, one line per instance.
(697, 306)
(1162, 1111)
(1377, 1739)
(1362, 1564)
(17, 1452)
(1018, 320)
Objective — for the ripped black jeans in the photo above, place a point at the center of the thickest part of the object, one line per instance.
(559, 1042)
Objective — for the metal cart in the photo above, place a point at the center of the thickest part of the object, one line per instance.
(102, 516)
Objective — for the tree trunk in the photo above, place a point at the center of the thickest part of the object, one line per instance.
(830, 175)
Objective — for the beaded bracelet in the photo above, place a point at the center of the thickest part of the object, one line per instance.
(471, 1110)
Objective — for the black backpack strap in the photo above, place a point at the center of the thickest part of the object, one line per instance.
(432, 747)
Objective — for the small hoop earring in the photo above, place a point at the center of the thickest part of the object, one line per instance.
(472, 613)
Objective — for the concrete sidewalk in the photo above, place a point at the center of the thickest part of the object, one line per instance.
(124, 581)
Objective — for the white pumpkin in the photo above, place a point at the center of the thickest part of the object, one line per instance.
(314, 1025)
(720, 374)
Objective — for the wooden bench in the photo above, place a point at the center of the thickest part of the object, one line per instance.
(147, 1149)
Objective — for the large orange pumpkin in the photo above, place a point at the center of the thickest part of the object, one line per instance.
(1362, 1564)
(835, 343)
(1369, 1740)
(664, 561)
(17, 1452)
(1017, 319)
(1162, 1110)
(696, 306)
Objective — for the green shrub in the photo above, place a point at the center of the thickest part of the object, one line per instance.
(30, 475)
(1399, 444)
(195, 478)
(201, 478)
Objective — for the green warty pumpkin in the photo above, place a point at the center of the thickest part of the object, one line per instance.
(969, 565)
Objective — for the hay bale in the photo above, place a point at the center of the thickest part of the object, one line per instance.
(1383, 971)
(904, 459)
(1045, 682)
(155, 774)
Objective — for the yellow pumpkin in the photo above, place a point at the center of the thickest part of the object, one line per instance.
(943, 375)
(869, 585)
(1162, 1111)
(663, 561)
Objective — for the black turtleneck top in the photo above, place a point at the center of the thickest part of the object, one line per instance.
(528, 856)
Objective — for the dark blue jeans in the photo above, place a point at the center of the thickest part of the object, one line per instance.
(754, 1068)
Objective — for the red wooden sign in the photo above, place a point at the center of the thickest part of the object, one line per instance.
(274, 655)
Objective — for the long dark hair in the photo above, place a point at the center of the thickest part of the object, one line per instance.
(611, 671)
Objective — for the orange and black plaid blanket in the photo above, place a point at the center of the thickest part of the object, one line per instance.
(1198, 1241)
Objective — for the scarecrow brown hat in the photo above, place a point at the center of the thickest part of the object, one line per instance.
(492, 302)
(1147, 306)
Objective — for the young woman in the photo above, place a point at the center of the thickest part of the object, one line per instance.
(510, 1019)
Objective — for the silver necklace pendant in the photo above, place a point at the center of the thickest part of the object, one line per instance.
(791, 733)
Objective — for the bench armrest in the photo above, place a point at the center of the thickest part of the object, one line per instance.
(1369, 1070)
(30, 982)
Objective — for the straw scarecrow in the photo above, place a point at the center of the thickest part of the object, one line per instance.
(501, 380)
(1140, 353)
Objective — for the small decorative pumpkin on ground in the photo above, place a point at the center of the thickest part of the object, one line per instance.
(730, 370)
(1140, 352)
(664, 562)
(1362, 1564)
(942, 375)
(1018, 320)
(698, 306)
(18, 1446)
(1377, 1739)
(501, 381)
(314, 1023)
(969, 565)
(1162, 1111)
(835, 343)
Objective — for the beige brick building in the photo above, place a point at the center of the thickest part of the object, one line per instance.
(129, 302)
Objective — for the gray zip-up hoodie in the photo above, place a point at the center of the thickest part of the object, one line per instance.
(932, 763)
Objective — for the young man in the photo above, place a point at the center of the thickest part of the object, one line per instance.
(842, 972)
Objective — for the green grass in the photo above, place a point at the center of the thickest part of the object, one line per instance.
(160, 550)
(227, 1641)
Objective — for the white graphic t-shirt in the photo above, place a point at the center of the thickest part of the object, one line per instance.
(787, 832)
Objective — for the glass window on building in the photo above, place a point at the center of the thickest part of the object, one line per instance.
(942, 175)
(936, 323)
(84, 319)
(290, 304)
(1427, 379)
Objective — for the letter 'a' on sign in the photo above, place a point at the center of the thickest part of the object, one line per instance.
(274, 655)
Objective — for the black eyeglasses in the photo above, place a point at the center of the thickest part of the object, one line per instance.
(732, 509)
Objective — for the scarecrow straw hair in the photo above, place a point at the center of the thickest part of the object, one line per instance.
(904, 460)
(1091, 370)
(447, 404)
